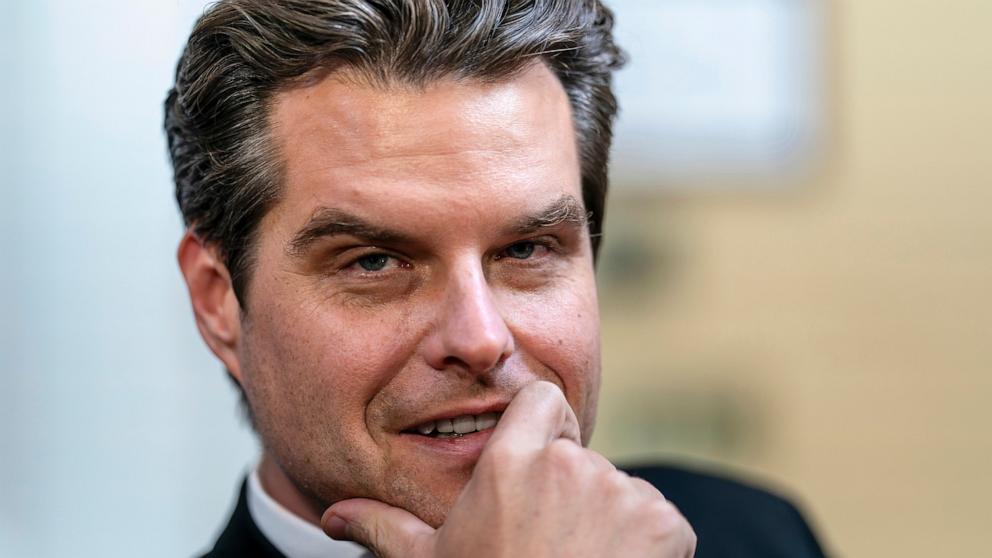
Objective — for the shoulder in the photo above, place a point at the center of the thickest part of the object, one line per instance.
(731, 517)
(241, 538)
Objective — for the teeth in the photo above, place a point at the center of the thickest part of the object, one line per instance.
(444, 426)
(486, 421)
(465, 424)
(426, 428)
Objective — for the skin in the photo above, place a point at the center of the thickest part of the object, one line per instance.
(470, 306)
(429, 258)
(535, 492)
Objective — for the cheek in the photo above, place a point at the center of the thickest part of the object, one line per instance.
(311, 371)
(313, 376)
(560, 331)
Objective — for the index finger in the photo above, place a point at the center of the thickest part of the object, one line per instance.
(538, 415)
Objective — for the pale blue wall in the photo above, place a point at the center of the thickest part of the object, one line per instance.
(118, 432)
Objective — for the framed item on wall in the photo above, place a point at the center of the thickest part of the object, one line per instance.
(718, 88)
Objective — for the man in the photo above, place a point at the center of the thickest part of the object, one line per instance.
(393, 210)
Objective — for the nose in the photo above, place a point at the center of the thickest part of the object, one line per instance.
(470, 333)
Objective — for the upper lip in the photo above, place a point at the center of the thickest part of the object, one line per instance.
(462, 409)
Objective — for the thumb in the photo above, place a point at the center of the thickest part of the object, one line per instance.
(537, 415)
(387, 531)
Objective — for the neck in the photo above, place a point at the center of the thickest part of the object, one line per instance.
(278, 486)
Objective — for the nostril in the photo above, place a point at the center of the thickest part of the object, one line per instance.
(481, 366)
(454, 362)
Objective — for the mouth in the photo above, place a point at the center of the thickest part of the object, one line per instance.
(456, 426)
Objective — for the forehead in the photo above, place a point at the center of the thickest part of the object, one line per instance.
(350, 145)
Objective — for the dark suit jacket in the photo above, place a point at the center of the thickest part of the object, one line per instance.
(731, 519)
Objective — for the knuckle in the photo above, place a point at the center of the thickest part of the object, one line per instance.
(564, 454)
(666, 520)
(616, 483)
(362, 533)
(501, 454)
(375, 537)
(647, 488)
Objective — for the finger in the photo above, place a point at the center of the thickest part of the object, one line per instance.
(691, 540)
(387, 531)
(600, 462)
(647, 489)
(537, 415)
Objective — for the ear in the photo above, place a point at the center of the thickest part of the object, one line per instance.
(217, 310)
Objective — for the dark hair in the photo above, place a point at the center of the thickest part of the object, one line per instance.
(242, 52)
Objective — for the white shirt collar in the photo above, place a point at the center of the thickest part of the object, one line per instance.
(291, 534)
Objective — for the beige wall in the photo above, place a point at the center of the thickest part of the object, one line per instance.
(833, 338)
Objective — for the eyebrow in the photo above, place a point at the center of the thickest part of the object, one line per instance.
(327, 222)
(566, 210)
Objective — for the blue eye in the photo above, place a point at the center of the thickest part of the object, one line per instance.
(520, 250)
(373, 262)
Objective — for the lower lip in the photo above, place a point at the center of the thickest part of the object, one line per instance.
(464, 449)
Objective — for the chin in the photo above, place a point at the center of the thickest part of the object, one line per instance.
(430, 501)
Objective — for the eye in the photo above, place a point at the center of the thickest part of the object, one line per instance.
(520, 250)
(373, 262)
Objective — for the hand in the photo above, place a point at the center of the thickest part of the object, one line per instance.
(535, 492)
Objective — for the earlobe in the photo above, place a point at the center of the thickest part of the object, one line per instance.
(215, 306)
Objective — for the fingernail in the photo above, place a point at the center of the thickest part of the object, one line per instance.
(335, 527)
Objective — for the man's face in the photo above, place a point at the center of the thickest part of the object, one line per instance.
(427, 259)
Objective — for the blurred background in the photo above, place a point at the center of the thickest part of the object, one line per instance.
(794, 283)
